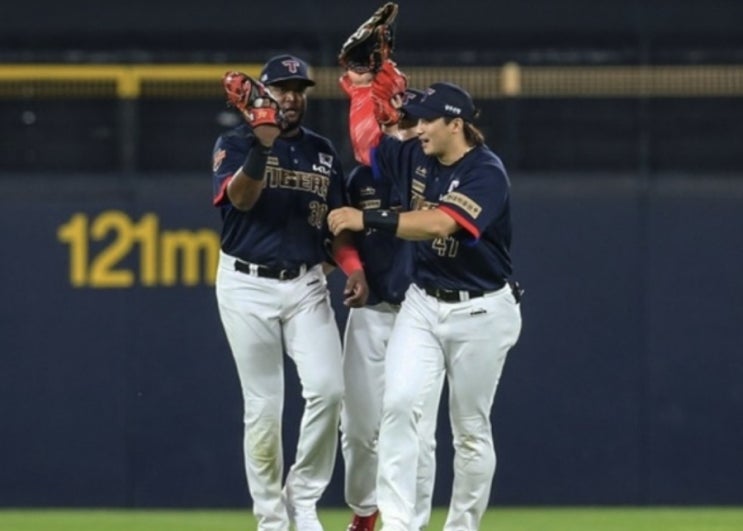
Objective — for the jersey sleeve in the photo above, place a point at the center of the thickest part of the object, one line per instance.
(478, 199)
(364, 130)
(357, 178)
(336, 191)
(393, 159)
(227, 157)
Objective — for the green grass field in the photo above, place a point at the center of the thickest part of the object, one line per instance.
(499, 519)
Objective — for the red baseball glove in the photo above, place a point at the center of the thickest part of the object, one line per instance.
(252, 98)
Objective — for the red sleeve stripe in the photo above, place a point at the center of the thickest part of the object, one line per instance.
(222, 191)
(461, 220)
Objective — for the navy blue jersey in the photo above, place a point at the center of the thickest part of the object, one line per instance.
(387, 260)
(288, 224)
(475, 191)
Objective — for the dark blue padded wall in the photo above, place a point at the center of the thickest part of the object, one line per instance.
(624, 388)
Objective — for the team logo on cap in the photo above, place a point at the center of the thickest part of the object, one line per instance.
(291, 65)
(408, 97)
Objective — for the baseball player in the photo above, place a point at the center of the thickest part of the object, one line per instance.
(461, 314)
(388, 266)
(274, 181)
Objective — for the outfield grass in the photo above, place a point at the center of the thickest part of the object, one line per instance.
(500, 519)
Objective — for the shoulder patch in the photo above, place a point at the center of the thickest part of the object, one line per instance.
(463, 202)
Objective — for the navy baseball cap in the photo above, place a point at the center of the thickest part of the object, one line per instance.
(442, 99)
(285, 68)
(411, 96)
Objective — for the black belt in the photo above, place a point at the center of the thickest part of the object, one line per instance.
(454, 295)
(269, 272)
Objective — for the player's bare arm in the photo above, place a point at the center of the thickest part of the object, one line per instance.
(356, 291)
(244, 189)
(418, 225)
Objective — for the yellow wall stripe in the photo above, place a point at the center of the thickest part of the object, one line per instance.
(510, 80)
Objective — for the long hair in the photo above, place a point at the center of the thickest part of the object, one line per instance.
(472, 135)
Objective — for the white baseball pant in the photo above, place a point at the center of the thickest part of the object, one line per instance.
(261, 318)
(367, 334)
(469, 340)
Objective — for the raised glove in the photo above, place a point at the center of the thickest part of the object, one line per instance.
(372, 42)
(252, 98)
(388, 83)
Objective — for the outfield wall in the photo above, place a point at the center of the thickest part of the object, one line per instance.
(117, 387)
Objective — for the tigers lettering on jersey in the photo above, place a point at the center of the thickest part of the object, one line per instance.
(277, 177)
(287, 226)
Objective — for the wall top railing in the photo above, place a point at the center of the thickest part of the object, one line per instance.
(511, 80)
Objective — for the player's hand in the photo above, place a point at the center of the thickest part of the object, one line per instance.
(358, 79)
(266, 134)
(397, 101)
(345, 218)
(354, 84)
(356, 291)
(253, 100)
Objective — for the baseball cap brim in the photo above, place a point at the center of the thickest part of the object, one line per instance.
(305, 80)
(418, 110)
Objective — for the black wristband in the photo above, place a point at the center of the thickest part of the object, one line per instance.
(255, 163)
(384, 220)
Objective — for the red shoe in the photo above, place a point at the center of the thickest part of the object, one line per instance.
(363, 523)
